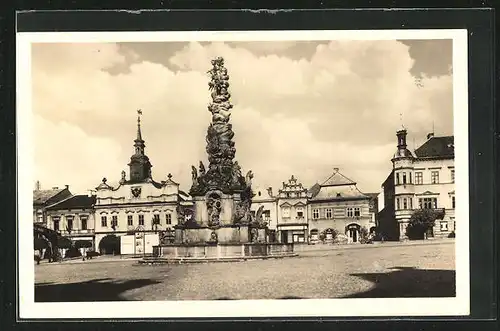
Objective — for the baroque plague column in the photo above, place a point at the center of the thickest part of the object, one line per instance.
(221, 194)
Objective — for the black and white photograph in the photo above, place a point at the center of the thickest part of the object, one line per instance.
(284, 173)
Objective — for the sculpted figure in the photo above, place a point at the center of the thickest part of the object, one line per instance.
(194, 174)
(248, 178)
(202, 169)
(258, 215)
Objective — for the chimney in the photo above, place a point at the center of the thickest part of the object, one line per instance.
(430, 135)
(336, 169)
(67, 187)
(270, 191)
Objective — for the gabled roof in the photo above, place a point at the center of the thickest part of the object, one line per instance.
(43, 196)
(314, 189)
(75, 202)
(336, 179)
(337, 187)
(437, 147)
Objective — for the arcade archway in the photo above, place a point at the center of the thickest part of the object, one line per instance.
(110, 245)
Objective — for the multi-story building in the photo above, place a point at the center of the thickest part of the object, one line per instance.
(292, 214)
(137, 208)
(74, 218)
(44, 198)
(337, 205)
(264, 199)
(425, 180)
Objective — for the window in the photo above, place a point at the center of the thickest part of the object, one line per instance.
(56, 224)
(104, 221)
(156, 219)
(266, 215)
(410, 177)
(443, 226)
(434, 177)
(285, 212)
(168, 218)
(357, 212)
(453, 175)
(427, 203)
(329, 213)
(141, 220)
(350, 212)
(315, 214)
(114, 221)
(398, 207)
(404, 177)
(40, 218)
(405, 204)
(397, 179)
(130, 220)
(69, 223)
(300, 212)
(419, 178)
(83, 220)
(453, 202)
(410, 200)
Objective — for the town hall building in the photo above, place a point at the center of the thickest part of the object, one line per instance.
(136, 208)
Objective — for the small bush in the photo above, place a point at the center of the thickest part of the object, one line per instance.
(341, 239)
(73, 252)
(92, 254)
(452, 234)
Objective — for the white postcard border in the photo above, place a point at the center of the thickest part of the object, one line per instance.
(28, 309)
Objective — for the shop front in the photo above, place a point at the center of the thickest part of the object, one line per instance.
(292, 233)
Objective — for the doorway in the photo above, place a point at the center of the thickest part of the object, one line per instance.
(353, 232)
(353, 235)
(284, 237)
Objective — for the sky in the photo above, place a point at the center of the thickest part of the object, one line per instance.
(300, 108)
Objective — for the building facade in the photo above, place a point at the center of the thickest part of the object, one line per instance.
(45, 198)
(74, 218)
(264, 200)
(425, 180)
(137, 208)
(338, 206)
(291, 200)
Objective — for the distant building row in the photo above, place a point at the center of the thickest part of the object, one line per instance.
(142, 207)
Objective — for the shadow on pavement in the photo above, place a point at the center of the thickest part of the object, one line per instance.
(102, 289)
(407, 282)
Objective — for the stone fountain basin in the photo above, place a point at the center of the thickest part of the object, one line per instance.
(222, 252)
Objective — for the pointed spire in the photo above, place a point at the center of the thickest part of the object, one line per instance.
(139, 135)
(140, 167)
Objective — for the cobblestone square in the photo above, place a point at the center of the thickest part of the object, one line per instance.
(367, 271)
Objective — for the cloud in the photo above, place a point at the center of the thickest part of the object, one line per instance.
(339, 107)
(66, 155)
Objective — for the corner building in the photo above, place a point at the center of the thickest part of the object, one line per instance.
(425, 180)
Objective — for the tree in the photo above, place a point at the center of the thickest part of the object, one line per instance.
(363, 235)
(420, 222)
